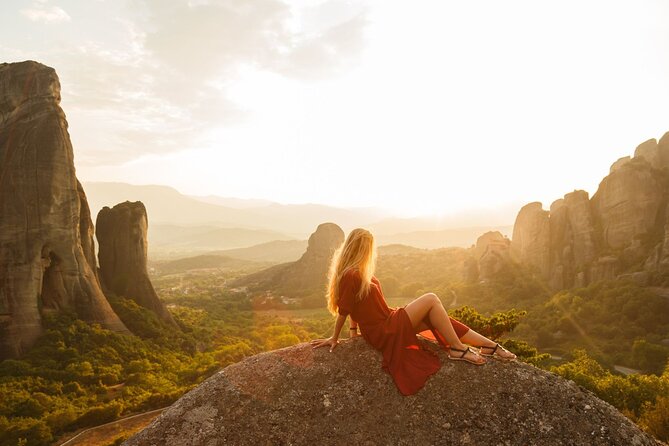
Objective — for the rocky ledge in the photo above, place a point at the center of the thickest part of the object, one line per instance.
(301, 396)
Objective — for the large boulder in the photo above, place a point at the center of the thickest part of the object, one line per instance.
(122, 235)
(47, 260)
(302, 396)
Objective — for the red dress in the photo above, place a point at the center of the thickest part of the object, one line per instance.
(390, 331)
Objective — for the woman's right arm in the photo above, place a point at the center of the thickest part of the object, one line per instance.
(332, 341)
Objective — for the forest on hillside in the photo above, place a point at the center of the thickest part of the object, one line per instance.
(80, 375)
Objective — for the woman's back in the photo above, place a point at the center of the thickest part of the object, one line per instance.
(371, 310)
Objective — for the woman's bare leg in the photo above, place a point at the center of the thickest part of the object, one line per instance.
(429, 305)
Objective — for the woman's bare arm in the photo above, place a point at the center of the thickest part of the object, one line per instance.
(353, 330)
(334, 339)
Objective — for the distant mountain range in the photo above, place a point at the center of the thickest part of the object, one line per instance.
(460, 237)
(165, 205)
(182, 226)
(277, 251)
(170, 241)
(257, 257)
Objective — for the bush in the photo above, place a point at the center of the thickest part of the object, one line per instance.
(492, 327)
(649, 357)
(28, 431)
(98, 415)
(655, 418)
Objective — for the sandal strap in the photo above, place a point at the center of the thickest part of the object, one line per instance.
(464, 352)
(494, 349)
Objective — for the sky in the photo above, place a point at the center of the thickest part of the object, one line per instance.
(422, 107)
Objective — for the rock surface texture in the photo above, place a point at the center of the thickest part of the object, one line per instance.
(47, 258)
(122, 235)
(623, 229)
(302, 396)
(306, 275)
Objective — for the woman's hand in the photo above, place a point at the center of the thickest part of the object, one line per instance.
(332, 342)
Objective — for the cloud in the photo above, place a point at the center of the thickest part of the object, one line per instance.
(208, 39)
(326, 54)
(157, 81)
(41, 12)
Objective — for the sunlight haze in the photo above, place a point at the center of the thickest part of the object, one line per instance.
(430, 107)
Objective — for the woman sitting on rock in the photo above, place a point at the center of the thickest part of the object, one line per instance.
(353, 290)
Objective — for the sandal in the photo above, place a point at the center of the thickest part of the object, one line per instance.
(494, 354)
(462, 356)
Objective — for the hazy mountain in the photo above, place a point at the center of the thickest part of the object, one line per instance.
(180, 225)
(170, 240)
(204, 261)
(311, 215)
(278, 251)
(232, 202)
(397, 249)
(461, 237)
(166, 205)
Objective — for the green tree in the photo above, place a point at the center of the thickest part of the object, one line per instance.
(649, 357)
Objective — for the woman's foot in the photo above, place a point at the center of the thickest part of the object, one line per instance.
(496, 351)
(466, 354)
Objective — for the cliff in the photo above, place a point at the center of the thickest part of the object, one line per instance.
(122, 235)
(302, 396)
(47, 258)
(304, 276)
(623, 228)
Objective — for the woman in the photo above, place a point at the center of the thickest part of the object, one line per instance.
(354, 291)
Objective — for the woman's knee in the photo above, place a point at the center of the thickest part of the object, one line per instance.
(431, 297)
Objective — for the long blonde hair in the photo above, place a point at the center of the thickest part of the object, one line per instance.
(357, 251)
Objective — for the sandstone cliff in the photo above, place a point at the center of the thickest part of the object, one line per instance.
(46, 246)
(622, 229)
(302, 396)
(304, 276)
(122, 235)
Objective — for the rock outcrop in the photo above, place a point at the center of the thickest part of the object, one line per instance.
(47, 260)
(531, 237)
(623, 229)
(302, 396)
(627, 203)
(491, 254)
(304, 276)
(122, 234)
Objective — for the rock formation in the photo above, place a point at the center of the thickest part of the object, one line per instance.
(122, 235)
(304, 276)
(302, 396)
(46, 246)
(531, 237)
(624, 228)
(491, 254)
